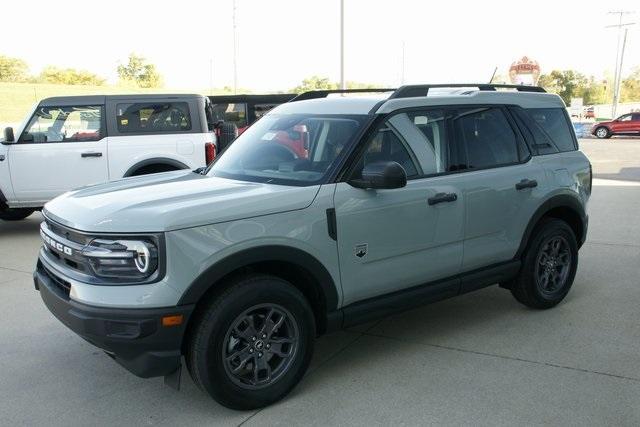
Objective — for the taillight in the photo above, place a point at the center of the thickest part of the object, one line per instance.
(209, 152)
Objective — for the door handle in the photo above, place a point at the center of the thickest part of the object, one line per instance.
(1, 157)
(526, 183)
(442, 198)
(91, 154)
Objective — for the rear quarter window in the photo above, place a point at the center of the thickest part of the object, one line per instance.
(551, 130)
(153, 117)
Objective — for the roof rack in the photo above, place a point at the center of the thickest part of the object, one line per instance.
(326, 92)
(410, 91)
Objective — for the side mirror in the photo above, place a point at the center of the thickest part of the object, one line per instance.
(381, 175)
(9, 138)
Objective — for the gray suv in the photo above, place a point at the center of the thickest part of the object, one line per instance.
(327, 212)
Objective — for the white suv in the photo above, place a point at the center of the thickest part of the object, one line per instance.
(70, 142)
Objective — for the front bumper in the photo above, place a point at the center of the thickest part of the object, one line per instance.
(135, 338)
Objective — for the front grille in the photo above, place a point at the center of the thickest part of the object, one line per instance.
(66, 232)
(61, 286)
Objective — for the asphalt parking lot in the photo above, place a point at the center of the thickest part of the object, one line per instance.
(481, 359)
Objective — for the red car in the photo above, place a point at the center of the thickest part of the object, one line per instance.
(627, 124)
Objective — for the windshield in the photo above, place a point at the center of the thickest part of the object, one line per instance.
(296, 149)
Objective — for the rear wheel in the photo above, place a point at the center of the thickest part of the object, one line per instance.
(251, 345)
(603, 133)
(549, 266)
(15, 214)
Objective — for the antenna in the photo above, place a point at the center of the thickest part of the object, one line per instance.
(493, 75)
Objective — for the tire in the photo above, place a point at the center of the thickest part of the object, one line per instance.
(228, 133)
(222, 340)
(15, 214)
(147, 170)
(602, 133)
(542, 260)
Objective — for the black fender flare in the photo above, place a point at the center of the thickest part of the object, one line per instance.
(248, 257)
(155, 161)
(557, 201)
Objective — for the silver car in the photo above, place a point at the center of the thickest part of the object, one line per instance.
(327, 212)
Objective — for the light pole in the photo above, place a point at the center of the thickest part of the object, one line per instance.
(617, 75)
(343, 83)
(235, 52)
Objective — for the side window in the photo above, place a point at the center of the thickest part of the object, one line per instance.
(260, 110)
(636, 117)
(386, 145)
(64, 124)
(235, 113)
(153, 117)
(486, 138)
(625, 118)
(426, 134)
(553, 123)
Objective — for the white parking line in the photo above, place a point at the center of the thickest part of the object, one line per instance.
(615, 183)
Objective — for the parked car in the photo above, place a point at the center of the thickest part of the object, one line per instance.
(589, 113)
(393, 201)
(74, 141)
(627, 124)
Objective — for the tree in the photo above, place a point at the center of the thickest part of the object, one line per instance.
(315, 83)
(572, 84)
(140, 72)
(69, 76)
(630, 90)
(13, 69)
(323, 83)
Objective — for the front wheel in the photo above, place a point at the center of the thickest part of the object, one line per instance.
(603, 133)
(549, 266)
(251, 345)
(16, 214)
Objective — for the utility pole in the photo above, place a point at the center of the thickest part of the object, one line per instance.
(211, 75)
(617, 75)
(343, 83)
(235, 52)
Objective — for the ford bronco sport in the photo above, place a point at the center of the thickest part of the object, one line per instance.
(73, 141)
(394, 201)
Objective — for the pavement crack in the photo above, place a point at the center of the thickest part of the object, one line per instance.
(15, 270)
(501, 356)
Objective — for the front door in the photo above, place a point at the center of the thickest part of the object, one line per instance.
(61, 148)
(394, 239)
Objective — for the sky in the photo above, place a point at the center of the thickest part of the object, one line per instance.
(280, 42)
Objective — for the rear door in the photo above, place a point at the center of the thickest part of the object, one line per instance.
(61, 148)
(394, 239)
(502, 187)
(154, 131)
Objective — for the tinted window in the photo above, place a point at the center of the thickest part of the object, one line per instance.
(234, 113)
(553, 123)
(260, 110)
(153, 117)
(485, 137)
(64, 124)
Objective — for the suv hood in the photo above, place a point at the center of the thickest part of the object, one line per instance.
(170, 201)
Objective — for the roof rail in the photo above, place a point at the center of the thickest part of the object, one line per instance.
(410, 91)
(326, 92)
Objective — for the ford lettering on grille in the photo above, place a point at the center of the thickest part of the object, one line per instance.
(56, 245)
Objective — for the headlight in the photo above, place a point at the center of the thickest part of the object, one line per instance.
(122, 259)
